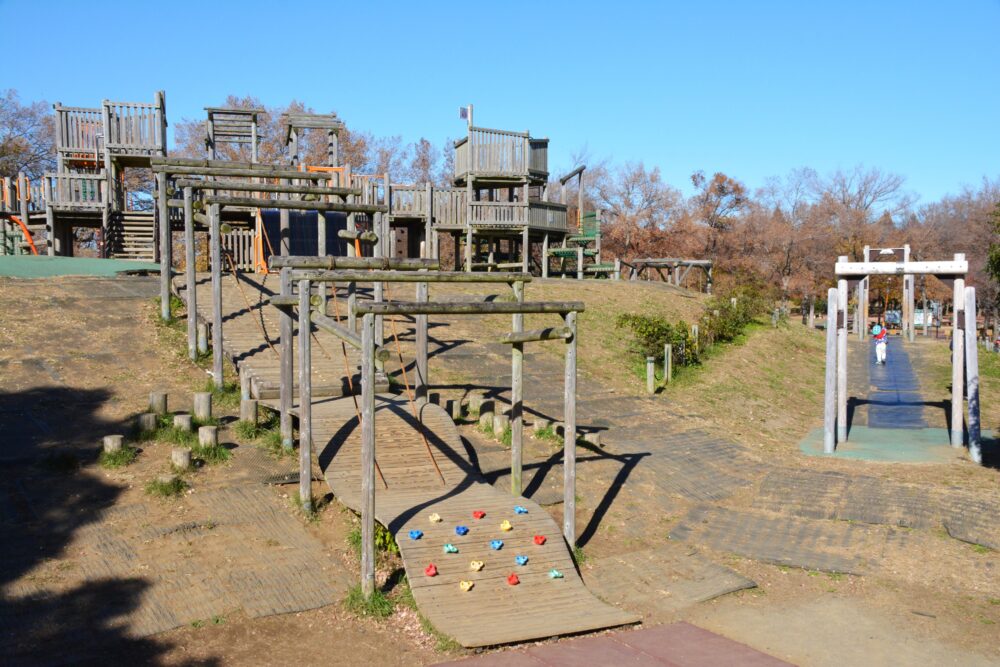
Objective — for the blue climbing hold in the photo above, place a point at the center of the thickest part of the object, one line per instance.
(521, 560)
(496, 545)
(520, 510)
(416, 534)
(461, 530)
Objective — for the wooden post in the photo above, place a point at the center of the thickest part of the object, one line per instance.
(650, 375)
(858, 328)
(811, 322)
(379, 288)
(287, 364)
(305, 397)
(957, 362)
(429, 251)
(525, 247)
(830, 389)
(972, 374)
(841, 321)
(545, 255)
(569, 435)
(668, 363)
(164, 216)
(516, 396)
(579, 262)
(368, 454)
(421, 381)
(284, 228)
(190, 279)
(352, 300)
(217, 351)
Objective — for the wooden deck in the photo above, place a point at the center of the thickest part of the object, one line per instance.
(251, 337)
(493, 612)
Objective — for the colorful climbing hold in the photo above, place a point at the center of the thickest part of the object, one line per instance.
(520, 510)
(466, 585)
(450, 549)
(555, 574)
(431, 570)
(521, 560)
(512, 579)
(478, 514)
(476, 565)
(435, 518)
(505, 525)
(539, 540)
(461, 530)
(496, 545)
(416, 534)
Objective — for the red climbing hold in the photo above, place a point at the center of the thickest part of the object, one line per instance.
(478, 514)
(539, 540)
(431, 570)
(513, 580)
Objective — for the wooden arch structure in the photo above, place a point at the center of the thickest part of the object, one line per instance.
(964, 351)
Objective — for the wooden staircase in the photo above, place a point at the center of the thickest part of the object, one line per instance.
(132, 236)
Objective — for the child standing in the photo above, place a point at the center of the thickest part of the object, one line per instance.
(879, 334)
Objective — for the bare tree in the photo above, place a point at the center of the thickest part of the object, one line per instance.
(27, 136)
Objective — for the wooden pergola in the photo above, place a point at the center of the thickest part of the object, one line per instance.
(965, 356)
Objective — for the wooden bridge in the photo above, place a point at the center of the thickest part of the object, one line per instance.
(424, 470)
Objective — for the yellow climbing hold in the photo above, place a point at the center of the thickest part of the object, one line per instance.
(466, 585)
(435, 518)
(505, 525)
(476, 565)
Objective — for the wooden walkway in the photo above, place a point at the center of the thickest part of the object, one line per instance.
(251, 337)
(493, 611)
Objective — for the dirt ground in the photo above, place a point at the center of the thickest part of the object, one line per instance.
(89, 369)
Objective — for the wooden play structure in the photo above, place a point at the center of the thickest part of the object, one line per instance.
(677, 269)
(22, 216)
(965, 356)
(422, 469)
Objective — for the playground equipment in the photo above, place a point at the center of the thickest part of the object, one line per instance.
(677, 269)
(94, 148)
(964, 347)
(20, 216)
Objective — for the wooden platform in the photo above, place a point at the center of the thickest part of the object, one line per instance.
(250, 329)
(493, 612)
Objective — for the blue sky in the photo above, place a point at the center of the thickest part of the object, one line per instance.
(753, 89)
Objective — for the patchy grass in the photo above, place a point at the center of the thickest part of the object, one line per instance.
(226, 397)
(212, 454)
(118, 459)
(170, 489)
(376, 606)
(385, 543)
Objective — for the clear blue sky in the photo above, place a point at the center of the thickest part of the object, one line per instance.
(753, 89)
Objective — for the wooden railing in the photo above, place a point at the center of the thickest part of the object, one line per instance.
(547, 214)
(78, 130)
(133, 126)
(501, 153)
(449, 206)
(76, 190)
(240, 244)
(498, 213)
(539, 156)
(409, 200)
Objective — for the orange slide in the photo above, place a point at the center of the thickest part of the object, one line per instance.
(27, 234)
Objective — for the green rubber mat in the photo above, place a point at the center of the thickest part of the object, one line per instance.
(30, 266)
(903, 445)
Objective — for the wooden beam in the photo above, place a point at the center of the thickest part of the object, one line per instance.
(362, 276)
(249, 186)
(952, 268)
(972, 375)
(287, 366)
(490, 308)
(516, 396)
(216, 250)
(958, 362)
(294, 204)
(368, 455)
(333, 263)
(190, 280)
(552, 333)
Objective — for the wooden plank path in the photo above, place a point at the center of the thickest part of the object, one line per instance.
(493, 612)
(250, 329)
